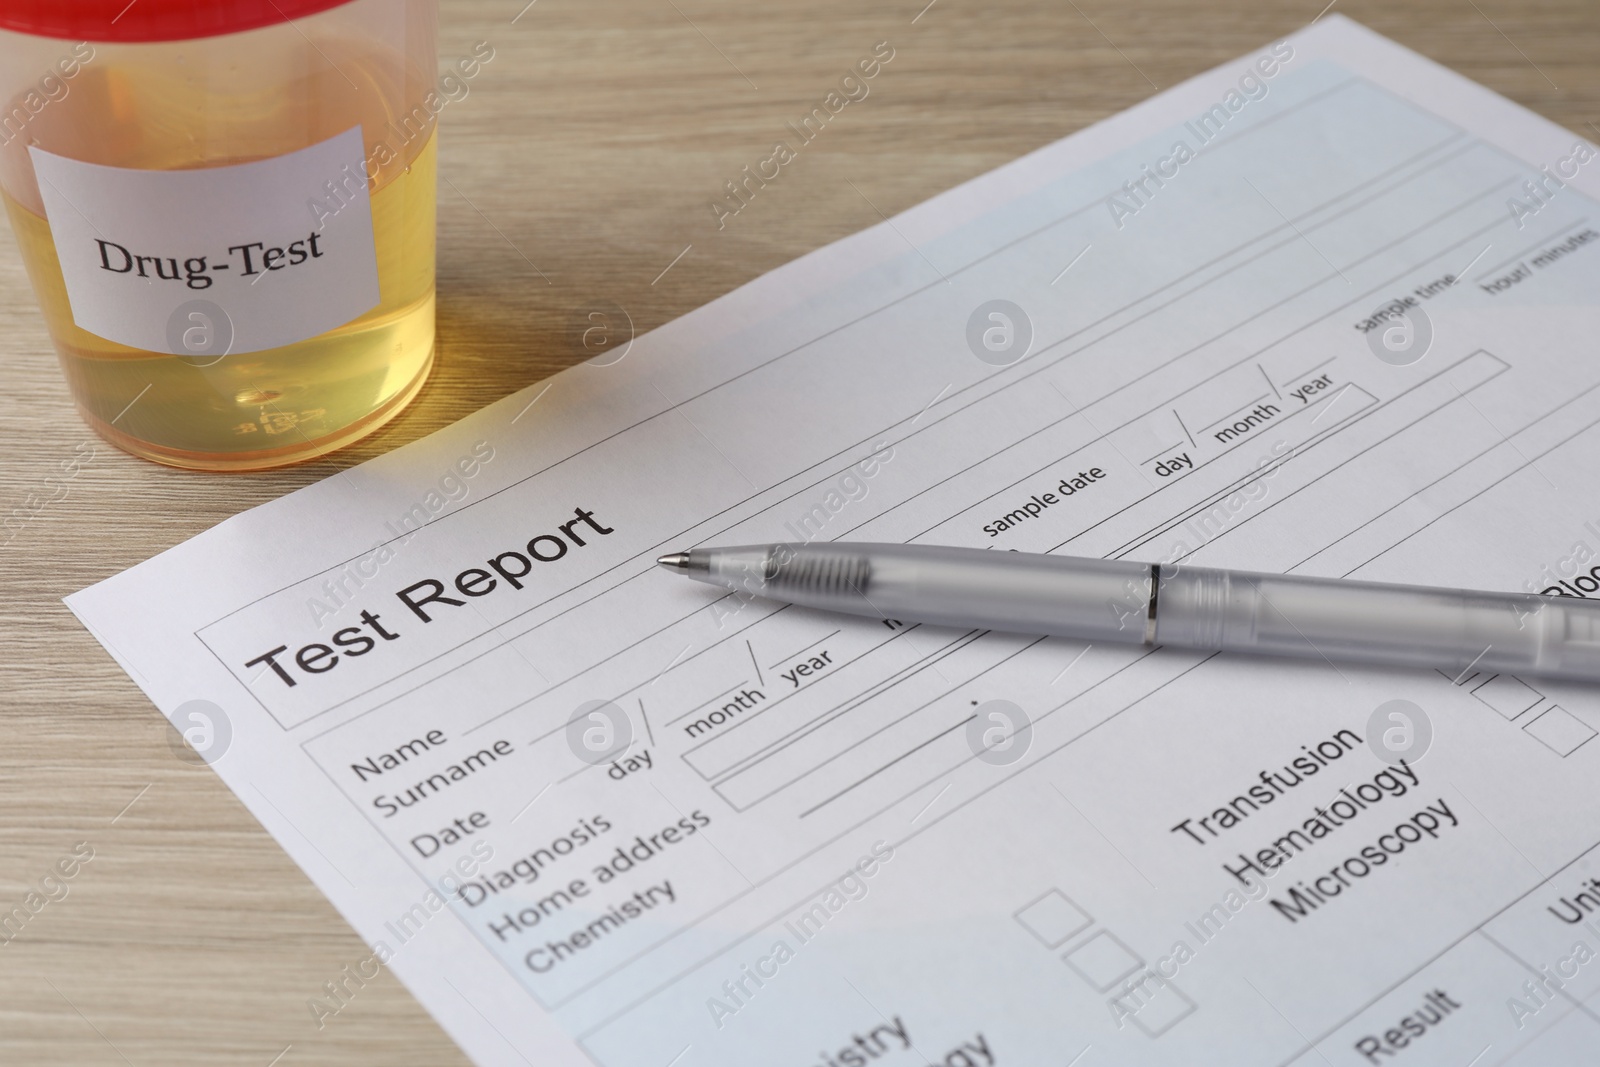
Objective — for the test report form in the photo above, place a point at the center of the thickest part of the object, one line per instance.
(1329, 309)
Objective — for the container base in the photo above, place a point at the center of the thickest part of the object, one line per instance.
(265, 459)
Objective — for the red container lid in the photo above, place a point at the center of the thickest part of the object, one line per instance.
(119, 21)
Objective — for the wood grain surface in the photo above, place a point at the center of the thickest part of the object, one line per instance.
(582, 162)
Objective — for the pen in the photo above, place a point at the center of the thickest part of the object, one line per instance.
(1169, 604)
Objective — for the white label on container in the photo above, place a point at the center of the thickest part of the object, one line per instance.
(219, 259)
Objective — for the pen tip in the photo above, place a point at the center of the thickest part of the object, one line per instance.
(674, 561)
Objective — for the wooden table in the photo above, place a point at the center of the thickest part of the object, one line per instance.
(588, 152)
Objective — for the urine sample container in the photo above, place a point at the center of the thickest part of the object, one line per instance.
(226, 209)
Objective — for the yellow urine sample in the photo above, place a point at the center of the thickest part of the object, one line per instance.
(280, 405)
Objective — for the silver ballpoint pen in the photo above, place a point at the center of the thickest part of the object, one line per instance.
(1169, 604)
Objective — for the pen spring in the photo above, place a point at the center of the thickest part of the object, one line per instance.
(818, 573)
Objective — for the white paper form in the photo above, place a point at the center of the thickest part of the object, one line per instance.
(592, 813)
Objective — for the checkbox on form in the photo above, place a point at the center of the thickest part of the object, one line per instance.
(1103, 960)
(1508, 695)
(1561, 731)
(1053, 919)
